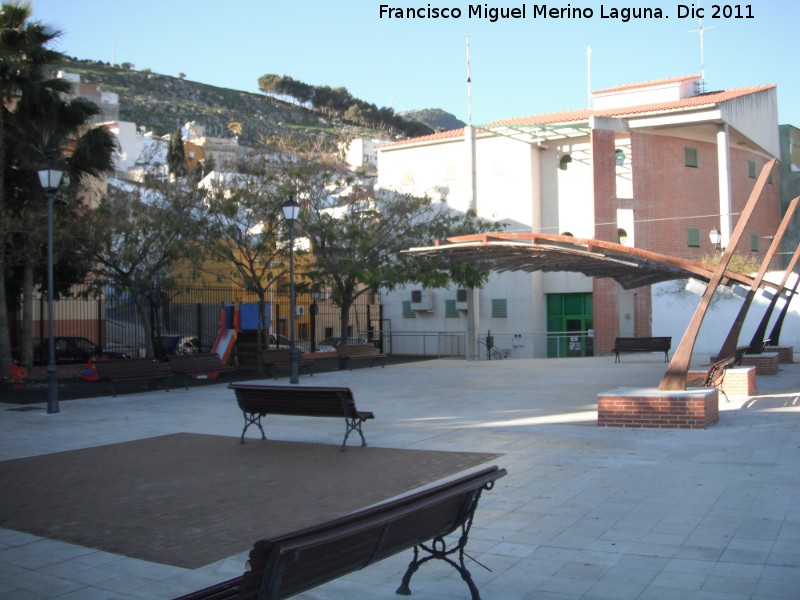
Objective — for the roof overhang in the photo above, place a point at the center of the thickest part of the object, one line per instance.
(536, 134)
(529, 252)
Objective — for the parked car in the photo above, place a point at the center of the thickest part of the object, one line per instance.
(71, 350)
(177, 344)
(330, 343)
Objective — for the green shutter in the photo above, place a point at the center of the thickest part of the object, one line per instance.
(754, 242)
(500, 308)
(407, 312)
(693, 237)
(751, 169)
(690, 157)
(450, 310)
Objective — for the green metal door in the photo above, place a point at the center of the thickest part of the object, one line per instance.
(569, 319)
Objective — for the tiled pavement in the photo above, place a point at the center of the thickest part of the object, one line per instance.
(584, 513)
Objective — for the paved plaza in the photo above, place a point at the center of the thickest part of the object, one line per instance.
(584, 513)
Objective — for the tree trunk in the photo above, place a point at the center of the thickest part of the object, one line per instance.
(5, 333)
(144, 315)
(26, 327)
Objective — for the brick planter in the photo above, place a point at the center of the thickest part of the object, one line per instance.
(738, 381)
(696, 408)
(785, 353)
(765, 363)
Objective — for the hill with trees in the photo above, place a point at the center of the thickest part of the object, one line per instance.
(162, 103)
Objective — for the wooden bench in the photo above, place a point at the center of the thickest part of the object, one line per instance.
(714, 376)
(350, 352)
(132, 369)
(273, 359)
(208, 365)
(289, 564)
(256, 401)
(642, 344)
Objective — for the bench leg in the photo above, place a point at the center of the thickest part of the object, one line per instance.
(438, 550)
(353, 425)
(251, 419)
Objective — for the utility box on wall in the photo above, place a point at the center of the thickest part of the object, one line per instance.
(422, 300)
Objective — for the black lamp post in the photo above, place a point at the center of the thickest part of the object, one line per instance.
(50, 178)
(291, 210)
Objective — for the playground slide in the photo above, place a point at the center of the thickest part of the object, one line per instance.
(224, 344)
(228, 326)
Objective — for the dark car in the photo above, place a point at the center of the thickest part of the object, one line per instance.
(72, 350)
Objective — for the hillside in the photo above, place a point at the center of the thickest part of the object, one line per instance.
(435, 118)
(161, 103)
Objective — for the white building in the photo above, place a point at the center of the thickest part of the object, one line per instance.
(654, 165)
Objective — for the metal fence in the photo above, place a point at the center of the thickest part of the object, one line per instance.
(191, 318)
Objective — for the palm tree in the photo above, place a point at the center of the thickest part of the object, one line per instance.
(24, 56)
(47, 125)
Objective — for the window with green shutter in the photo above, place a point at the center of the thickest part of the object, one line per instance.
(500, 308)
(450, 310)
(751, 169)
(690, 157)
(693, 237)
(754, 242)
(407, 312)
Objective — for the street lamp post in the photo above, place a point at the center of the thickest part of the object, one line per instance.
(291, 210)
(50, 178)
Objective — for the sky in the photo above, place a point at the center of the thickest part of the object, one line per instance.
(518, 66)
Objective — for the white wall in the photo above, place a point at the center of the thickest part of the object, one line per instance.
(673, 308)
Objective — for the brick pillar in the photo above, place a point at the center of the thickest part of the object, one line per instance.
(604, 291)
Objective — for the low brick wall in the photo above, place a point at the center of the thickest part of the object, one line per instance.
(738, 381)
(696, 408)
(765, 363)
(785, 353)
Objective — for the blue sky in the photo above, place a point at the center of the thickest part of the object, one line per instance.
(519, 66)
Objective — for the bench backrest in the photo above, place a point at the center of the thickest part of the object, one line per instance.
(654, 343)
(295, 400)
(187, 363)
(354, 350)
(289, 564)
(279, 357)
(128, 367)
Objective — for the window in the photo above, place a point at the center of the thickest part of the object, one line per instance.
(450, 310)
(690, 157)
(407, 312)
(693, 237)
(564, 162)
(754, 242)
(500, 308)
(751, 169)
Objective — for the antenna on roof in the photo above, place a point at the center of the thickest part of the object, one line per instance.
(469, 88)
(589, 75)
(701, 30)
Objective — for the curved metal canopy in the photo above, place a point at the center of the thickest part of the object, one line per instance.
(630, 267)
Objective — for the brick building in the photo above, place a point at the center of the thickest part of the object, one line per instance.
(655, 165)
